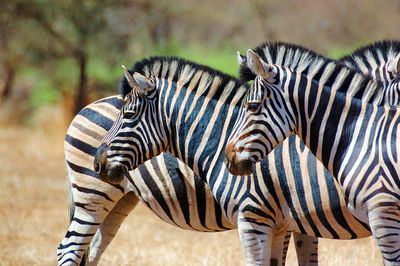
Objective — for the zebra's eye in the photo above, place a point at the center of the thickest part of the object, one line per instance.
(129, 114)
(253, 107)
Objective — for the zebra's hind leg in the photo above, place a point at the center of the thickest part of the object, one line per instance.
(71, 210)
(91, 208)
(110, 226)
(306, 249)
(86, 221)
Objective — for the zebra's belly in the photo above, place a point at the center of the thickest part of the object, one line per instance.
(310, 198)
(175, 194)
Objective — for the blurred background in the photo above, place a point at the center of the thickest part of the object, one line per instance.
(57, 56)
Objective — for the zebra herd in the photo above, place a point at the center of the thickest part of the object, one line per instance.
(177, 130)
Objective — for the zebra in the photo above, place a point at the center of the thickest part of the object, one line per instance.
(162, 184)
(98, 117)
(375, 60)
(354, 138)
(173, 106)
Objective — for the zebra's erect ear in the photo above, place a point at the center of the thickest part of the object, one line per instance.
(259, 68)
(137, 81)
(241, 59)
(255, 64)
(245, 73)
(131, 81)
(394, 66)
(144, 84)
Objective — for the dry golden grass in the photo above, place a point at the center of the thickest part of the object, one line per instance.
(33, 216)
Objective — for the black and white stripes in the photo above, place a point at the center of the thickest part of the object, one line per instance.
(355, 138)
(292, 194)
(197, 114)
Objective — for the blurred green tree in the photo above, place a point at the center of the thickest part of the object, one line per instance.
(74, 29)
(48, 46)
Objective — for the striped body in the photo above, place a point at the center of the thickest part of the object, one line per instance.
(164, 184)
(157, 183)
(354, 137)
(162, 191)
(259, 208)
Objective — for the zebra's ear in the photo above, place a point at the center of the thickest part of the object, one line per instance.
(255, 64)
(394, 66)
(144, 84)
(131, 81)
(241, 59)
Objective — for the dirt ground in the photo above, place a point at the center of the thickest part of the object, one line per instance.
(33, 217)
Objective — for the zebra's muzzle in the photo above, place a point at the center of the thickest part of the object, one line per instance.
(235, 165)
(110, 173)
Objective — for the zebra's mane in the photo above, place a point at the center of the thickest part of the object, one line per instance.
(301, 59)
(380, 52)
(181, 70)
(293, 56)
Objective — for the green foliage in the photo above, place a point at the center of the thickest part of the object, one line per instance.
(65, 73)
(43, 93)
(221, 58)
(339, 52)
(103, 72)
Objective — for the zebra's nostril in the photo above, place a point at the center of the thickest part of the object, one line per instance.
(97, 167)
(100, 159)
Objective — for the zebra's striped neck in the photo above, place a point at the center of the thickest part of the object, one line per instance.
(373, 59)
(200, 122)
(197, 106)
(370, 60)
(332, 124)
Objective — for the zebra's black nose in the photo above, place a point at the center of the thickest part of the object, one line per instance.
(236, 166)
(110, 173)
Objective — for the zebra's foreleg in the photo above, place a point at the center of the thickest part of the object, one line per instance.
(256, 240)
(278, 255)
(306, 249)
(384, 220)
(286, 246)
(110, 226)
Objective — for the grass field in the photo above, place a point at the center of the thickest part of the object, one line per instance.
(33, 216)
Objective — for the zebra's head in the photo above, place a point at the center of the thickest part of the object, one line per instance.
(136, 135)
(263, 122)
